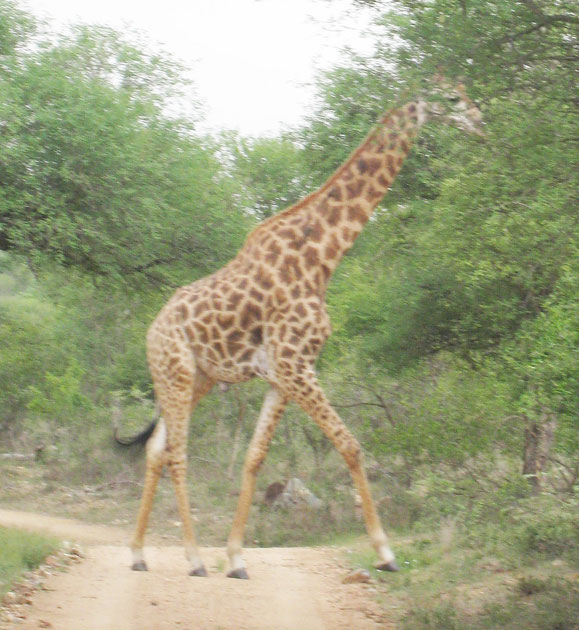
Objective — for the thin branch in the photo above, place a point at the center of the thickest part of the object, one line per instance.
(359, 404)
(152, 263)
(547, 21)
(559, 17)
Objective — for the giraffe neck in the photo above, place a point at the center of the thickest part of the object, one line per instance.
(321, 228)
(350, 196)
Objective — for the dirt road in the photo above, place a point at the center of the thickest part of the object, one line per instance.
(290, 588)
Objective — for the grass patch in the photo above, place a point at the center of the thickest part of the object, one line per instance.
(20, 552)
(552, 604)
(507, 573)
(301, 527)
(412, 555)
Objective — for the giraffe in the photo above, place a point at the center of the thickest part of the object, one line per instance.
(264, 315)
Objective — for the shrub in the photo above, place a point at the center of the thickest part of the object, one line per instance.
(21, 551)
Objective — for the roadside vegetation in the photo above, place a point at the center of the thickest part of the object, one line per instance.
(454, 357)
(21, 552)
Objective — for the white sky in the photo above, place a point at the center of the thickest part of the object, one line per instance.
(251, 60)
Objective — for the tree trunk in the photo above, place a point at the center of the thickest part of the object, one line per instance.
(538, 442)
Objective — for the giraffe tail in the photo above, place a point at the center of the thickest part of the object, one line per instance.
(139, 438)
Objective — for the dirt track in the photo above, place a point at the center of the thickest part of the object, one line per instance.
(290, 588)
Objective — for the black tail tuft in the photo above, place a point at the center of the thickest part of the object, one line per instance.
(140, 438)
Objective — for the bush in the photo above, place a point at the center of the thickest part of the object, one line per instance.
(552, 605)
(21, 551)
(547, 527)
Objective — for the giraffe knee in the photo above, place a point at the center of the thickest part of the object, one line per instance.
(254, 460)
(177, 466)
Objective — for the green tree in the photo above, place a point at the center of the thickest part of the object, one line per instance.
(27, 337)
(269, 171)
(16, 27)
(468, 254)
(92, 166)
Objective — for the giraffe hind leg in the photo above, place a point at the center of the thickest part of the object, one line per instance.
(154, 468)
(178, 388)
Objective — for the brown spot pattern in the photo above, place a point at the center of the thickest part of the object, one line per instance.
(354, 189)
(356, 213)
(332, 248)
(335, 193)
(374, 165)
(311, 257)
(335, 215)
(249, 314)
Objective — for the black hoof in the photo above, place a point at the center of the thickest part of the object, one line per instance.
(240, 574)
(388, 566)
(199, 572)
(141, 565)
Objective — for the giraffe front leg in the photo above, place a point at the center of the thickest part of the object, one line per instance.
(271, 412)
(314, 402)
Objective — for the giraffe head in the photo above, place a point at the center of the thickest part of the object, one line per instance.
(450, 104)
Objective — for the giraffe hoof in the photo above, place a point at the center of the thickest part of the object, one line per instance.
(199, 572)
(141, 565)
(240, 574)
(388, 566)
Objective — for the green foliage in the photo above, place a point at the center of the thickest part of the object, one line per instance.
(270, 173)
(442, 410)
(543, 362)
(61, 396)
(547, 528)
(455, 315)
(63, 353)
(16, 27)
(553, 607)
(494, 515)
(91, 165)
(473, 255)
(529, 42)
(350, 101)
(27, 337)
(443, 616)
(104, 195)
(21, 551)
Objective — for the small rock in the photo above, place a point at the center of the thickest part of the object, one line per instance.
(558, 563)
(10, 597)
(358, 576)
(44, 624)
(52, 561)
(76, 551)
(296, 494)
